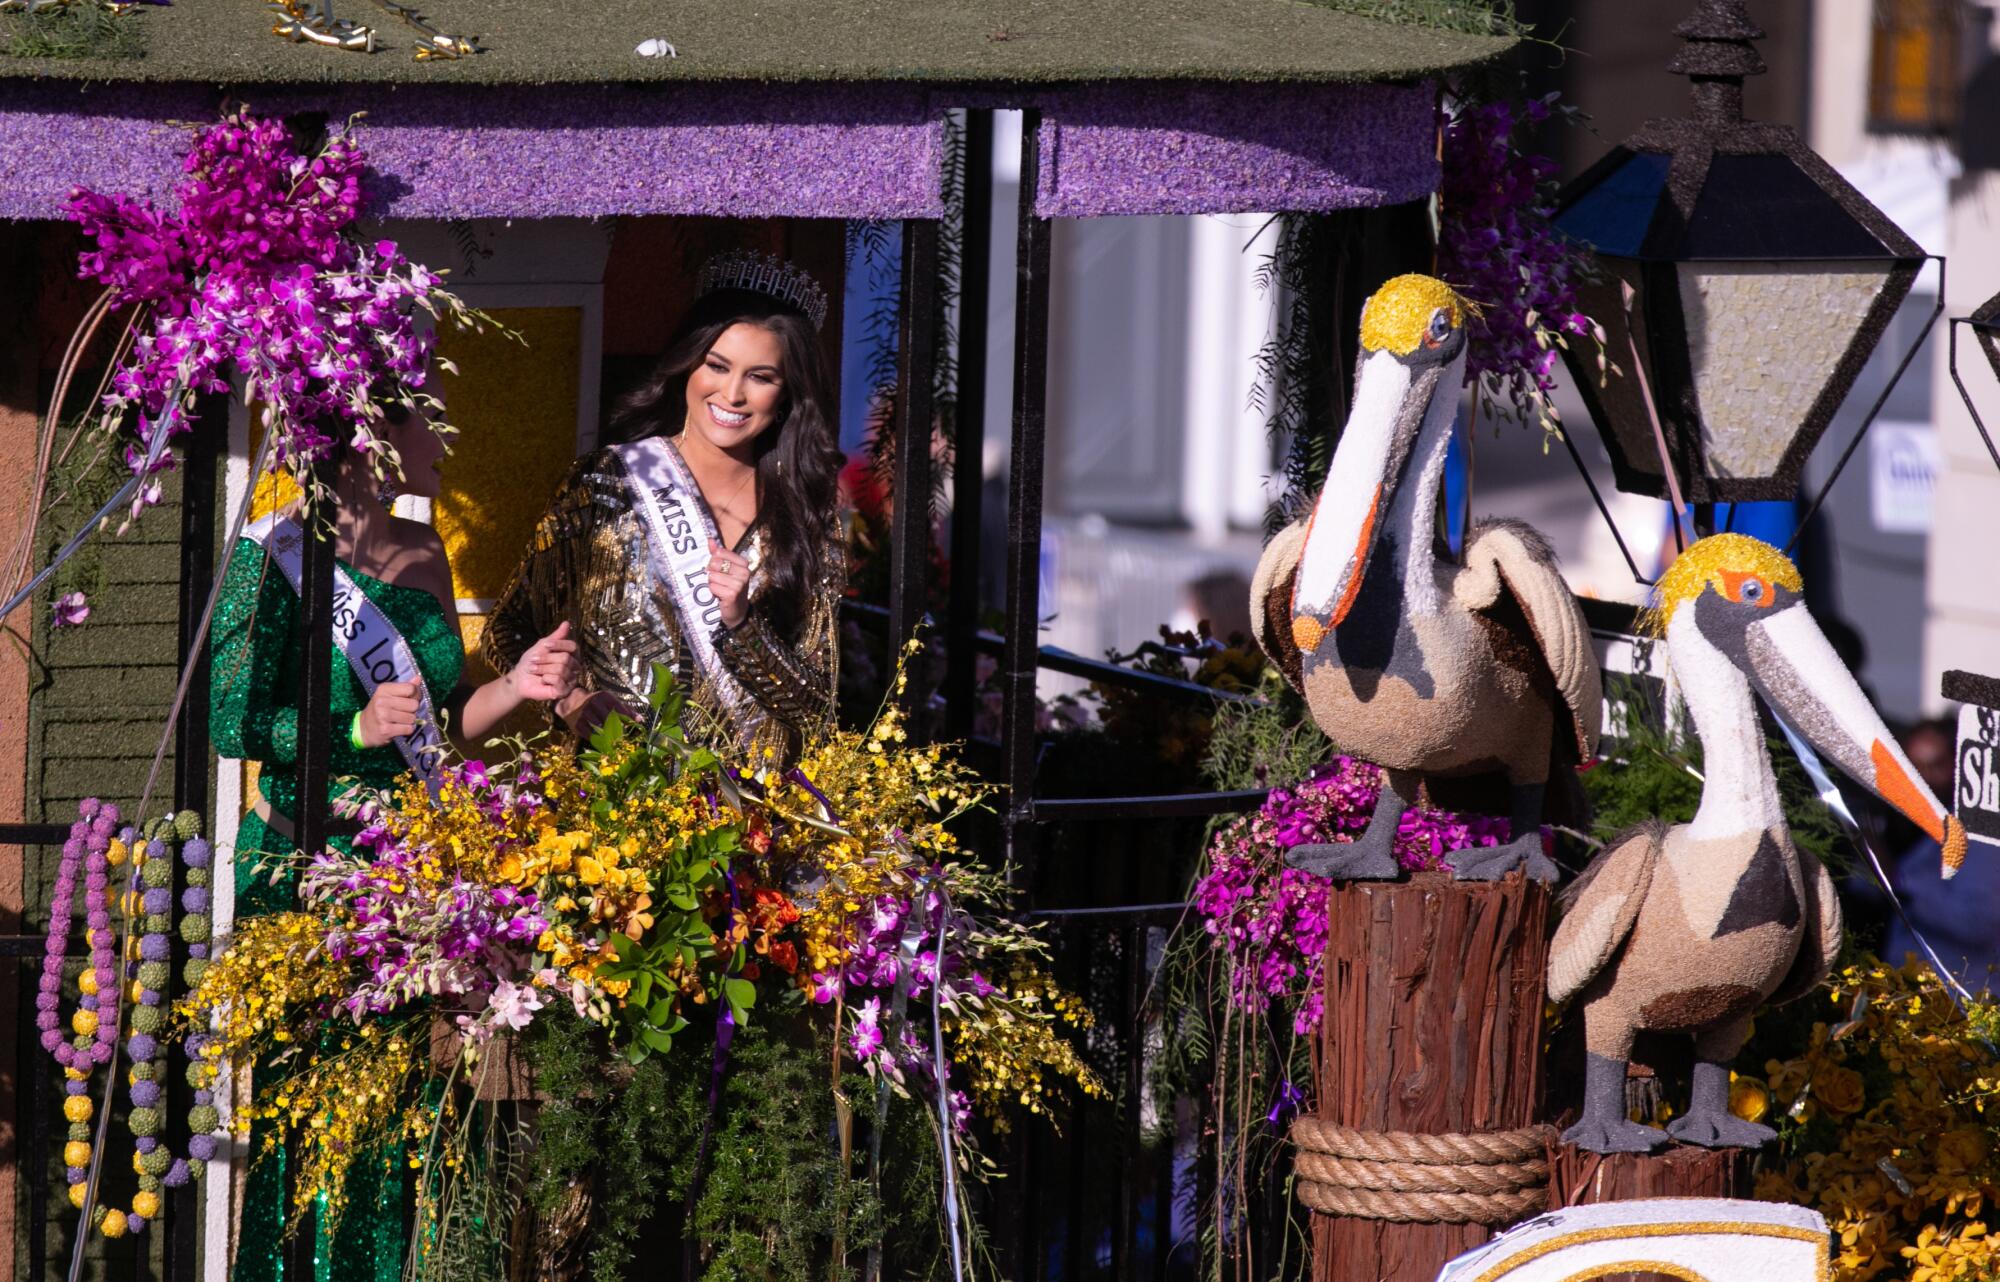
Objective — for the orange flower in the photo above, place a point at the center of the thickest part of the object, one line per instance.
(1839, 1090)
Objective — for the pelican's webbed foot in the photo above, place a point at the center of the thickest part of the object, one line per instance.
(1361, 860)
(1372, 855)
(1604, 1128)
(1491, 863)
(1614, 1135)
(1708, 1121)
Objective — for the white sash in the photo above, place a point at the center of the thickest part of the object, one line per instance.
(678, 526)
(373, 647)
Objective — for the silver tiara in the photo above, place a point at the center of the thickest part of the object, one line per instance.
(764, 274)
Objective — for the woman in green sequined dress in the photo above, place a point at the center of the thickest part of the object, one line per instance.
(400, 566)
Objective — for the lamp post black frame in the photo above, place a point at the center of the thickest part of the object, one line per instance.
(1713, 188)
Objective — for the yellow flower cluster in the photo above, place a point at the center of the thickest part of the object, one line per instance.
(1010, 1047)
(346, 1105)
(1889, 1128)
(881, 824)
(882, 807)
(250, 995)
(459, 835)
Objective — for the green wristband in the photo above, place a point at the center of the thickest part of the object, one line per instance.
(354, 734)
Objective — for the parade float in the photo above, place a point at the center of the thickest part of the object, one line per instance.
(480, 171)
(641, 997)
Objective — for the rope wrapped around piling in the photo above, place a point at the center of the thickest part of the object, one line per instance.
(1492, 1177)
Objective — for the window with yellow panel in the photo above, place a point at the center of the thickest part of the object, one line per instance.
(515, 406)
(1913, 66)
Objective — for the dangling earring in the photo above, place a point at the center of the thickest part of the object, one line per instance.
(386, 492)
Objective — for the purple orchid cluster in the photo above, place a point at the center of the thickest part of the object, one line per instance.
(258, 272)
(416, 934)
(1269, 918)
(895, 954)
(1497, 248)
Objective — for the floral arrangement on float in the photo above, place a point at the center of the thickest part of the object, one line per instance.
(1499, 249)
(256, 280)
(621, 921)
(1240, 990)
(1887, 1122)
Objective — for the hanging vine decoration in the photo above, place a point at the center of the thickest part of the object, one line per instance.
(1299, 389)
(872, 252)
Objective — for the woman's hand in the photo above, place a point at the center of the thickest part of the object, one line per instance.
(391, 713)
(547, 669)
(729, 579)
(583, 711)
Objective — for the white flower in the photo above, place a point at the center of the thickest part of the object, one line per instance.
(515, 1004)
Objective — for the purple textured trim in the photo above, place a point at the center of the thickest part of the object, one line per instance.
(55, 135)
(840, 151)
(848, 151)
(1179, 149)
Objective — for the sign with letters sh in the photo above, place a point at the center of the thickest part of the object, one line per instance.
(1975, 792)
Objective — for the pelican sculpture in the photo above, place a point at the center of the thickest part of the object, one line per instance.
(1691, 928)
(1422, 665)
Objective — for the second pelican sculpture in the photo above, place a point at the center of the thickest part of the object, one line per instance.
(1424, 666)
(1689, 929)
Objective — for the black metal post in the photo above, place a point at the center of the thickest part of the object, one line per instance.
(969, 446)
(315, 741)
(1125, 1245)
(1024, 513)
(32, 1111)
(316, 658)
(916, 374)
(180, 1226)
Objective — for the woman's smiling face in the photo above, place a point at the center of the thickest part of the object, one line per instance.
(738, 390)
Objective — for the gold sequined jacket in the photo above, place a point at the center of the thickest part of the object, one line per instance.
(588, 564)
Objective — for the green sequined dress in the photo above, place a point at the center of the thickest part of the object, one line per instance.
(255, 716)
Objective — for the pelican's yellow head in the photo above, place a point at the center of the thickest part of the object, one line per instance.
(1735, 565)
(1410, 312)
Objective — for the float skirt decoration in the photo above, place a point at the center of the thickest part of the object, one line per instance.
(1429, 1074)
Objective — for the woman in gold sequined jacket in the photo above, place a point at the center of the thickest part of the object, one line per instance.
(741, 396)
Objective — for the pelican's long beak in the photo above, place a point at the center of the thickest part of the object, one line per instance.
(1389, 411)
(1796, 669)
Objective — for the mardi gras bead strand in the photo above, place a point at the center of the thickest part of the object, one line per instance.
(146, 1119)
(79, 1107)
(89, 840)
(150, 898)
(198, 930)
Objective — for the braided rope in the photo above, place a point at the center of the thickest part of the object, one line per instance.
(1420, 1177)
(1481, 1148)
(1484, 1178)
(1423, 1208)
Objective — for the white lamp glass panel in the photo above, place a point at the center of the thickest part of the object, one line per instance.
(1764, 339)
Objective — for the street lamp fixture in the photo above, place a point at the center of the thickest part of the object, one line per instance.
(1743, 284)
(1985, 326)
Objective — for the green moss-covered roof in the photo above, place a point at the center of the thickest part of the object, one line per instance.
(994, 42)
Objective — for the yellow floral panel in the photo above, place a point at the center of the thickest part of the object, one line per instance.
(275, 490)
(515, 409)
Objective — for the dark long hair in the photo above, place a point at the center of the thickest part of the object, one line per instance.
(798, 458)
